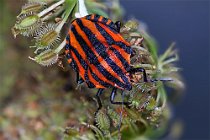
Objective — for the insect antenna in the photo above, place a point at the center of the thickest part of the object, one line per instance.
(163, 79)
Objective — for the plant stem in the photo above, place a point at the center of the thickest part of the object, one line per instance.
(44, 12)
(82, 10)
(161, 96)
(144, 66)
(57, 50)
(69, 7)
(170, 60)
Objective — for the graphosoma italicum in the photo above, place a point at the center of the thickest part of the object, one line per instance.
(99, 54)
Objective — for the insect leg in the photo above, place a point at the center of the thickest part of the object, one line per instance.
(118, 25)
(134, 70)
(79, 80)
(112, 97)
(99, 92)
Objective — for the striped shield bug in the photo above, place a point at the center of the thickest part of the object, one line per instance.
(100, 55)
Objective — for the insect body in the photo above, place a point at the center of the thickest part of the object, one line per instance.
(99, 54)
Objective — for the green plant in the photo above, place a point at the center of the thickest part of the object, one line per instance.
(148, 112)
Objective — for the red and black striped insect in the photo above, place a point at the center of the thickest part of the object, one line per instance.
(100, 56)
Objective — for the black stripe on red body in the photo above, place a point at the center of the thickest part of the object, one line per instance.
(92, 58)
(82, 63)
(105, 21)
(100, 48)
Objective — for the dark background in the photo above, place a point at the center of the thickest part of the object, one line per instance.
(187, 23)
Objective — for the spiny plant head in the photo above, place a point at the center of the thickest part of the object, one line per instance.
(31, 7)
(37, 19)
(27, 24)
(115, 117)
(103, 121)
(47, 37)
(46, 58)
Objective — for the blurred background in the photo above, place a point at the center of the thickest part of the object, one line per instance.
(187, 23)
(24, 85)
